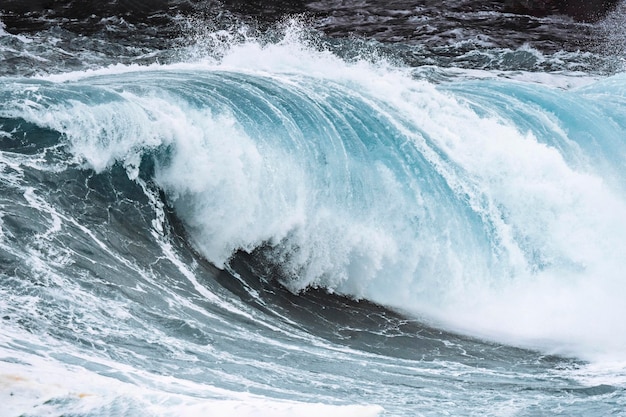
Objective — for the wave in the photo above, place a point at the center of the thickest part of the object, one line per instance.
(493, 207)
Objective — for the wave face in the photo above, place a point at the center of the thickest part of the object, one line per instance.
(282, 231)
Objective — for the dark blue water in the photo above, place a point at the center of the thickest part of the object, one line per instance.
(272, 209)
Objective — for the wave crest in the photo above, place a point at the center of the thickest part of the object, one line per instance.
(480, 204)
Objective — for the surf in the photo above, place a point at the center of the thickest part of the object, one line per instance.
(491, 207)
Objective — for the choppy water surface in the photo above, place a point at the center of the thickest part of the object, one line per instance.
(345, 208)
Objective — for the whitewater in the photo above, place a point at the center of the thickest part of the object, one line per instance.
(270, 228)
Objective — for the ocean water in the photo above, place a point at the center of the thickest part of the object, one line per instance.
(317, 208)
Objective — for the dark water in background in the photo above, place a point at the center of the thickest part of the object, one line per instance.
(205, 206)
(467, 34)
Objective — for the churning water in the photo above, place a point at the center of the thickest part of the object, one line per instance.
(274, 220)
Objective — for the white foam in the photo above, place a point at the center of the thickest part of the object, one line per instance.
(42, 386)
(567, 212)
